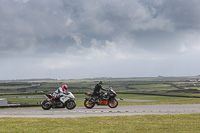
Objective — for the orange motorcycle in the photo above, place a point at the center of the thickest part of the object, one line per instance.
(105, 99)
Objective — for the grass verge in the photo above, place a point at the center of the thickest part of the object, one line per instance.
(117, 124)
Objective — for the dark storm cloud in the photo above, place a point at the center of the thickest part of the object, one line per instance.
(52, 24)
(184, 14)
(32, 23)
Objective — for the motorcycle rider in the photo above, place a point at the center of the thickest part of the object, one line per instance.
(97, 89)
(59, 92)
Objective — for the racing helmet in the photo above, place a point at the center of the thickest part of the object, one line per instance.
(64, 87)
(101, 82)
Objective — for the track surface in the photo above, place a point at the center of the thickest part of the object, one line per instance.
(102, 111)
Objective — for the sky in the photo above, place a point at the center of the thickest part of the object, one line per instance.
(73, 39)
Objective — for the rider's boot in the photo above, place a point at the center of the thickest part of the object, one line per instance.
(52, 99)
(53, 102)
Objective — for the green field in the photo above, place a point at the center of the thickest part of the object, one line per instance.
(175, 86)
(187, 123)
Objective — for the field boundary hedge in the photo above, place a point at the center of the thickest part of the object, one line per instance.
(16, 106)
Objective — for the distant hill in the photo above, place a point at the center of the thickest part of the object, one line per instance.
(159, 78)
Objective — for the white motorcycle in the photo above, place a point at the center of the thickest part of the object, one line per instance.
(66, 100)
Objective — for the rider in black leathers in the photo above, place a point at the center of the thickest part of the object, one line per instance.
(97, 89)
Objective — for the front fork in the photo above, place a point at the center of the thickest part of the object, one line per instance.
(112, 100)
(90, 100)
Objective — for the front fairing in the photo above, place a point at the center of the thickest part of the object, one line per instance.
(66, 97)
(70, 95)
(112, 93)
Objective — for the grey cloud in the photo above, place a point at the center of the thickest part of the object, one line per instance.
(182, 13)
(116, 32)
(185, 14)
(44, 23)
(29, 22)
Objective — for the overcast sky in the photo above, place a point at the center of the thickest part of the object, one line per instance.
(67, 39)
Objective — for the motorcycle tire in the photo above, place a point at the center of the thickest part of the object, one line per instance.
(114, 104)
(46, 105)
(70, 104)
(87, 105)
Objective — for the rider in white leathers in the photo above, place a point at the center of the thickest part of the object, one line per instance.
(59, 92)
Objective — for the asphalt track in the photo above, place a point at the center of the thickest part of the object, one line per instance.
(101, 111)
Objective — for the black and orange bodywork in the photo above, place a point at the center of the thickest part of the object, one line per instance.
(100, 102)
(109, 101)
(103, 103)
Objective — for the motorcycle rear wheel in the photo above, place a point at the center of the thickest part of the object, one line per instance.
(70, 104)
(113, 104)
(46, 105)
(88, 105)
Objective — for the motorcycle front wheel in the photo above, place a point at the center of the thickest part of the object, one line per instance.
(70, 104)
(113, 104)
(88, 105)
(46, 105)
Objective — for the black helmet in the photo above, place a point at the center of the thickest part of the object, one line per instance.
(101, 82)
